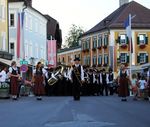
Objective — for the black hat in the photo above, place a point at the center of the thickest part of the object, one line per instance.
(77, 59)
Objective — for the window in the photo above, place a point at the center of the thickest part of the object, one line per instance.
(105, 40)
(3, 36)
(94, 60)
(94, 42)
(122, 39)
(142, 39)
(63, 60)
(88, 60)
(99, 59)
(3, 12)
(106, 59)
(12, 20)
(84, 60)
(100, 41)
(142, 58)
(68, 59)
(124, 58)
(12, 47)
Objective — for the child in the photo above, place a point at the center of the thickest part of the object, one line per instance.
(142, 86)
(134, 86)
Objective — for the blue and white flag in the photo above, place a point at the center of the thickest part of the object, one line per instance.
(127, 25)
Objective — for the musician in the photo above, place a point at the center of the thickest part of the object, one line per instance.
(14, 77)
(77, 75)
(90, 88)
(3, 75)
(110, 79)
(104, 82)
(39, 81)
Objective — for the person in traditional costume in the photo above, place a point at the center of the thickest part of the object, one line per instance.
(123, 82)
(39, 81)
(110, 80)
(14, 77)
(77, 75)
(104, 82)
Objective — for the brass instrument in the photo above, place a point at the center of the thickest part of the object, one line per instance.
(57, 75)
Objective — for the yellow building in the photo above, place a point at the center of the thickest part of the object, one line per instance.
(66, 56)
(106, 44)
(4, 25)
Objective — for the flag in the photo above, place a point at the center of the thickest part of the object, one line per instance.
(18, 36)
(52, 52)
(127, 25)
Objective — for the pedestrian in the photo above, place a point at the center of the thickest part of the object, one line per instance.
(134, 86)
(14, 78)
(148, 82)
(77, 75)
(3, 75)
(142, 87)
(123, 80)
(39, 81)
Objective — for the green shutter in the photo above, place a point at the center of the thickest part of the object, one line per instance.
(107, 60)
(146, 58)
(138, 58)
(128, 59)
(146, 40)
(127, 40)
(138, 40)
(118, 41)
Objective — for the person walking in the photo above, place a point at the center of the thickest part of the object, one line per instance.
(77, 77)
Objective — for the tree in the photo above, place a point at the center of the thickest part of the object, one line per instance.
(72, 39)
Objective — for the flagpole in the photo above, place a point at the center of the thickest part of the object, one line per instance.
(130, 47)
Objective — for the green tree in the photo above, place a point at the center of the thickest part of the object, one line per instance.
(74, 33)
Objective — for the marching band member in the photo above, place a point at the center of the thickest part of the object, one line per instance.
(110, 79)
(14, 76)
(104, 83)
(77, 75)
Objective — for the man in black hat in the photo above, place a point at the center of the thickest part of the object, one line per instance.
(77, 77)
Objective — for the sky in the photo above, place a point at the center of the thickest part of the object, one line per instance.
(83, 13)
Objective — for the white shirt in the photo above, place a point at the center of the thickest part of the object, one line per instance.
(3, 76)
(142, 84)
(82, 72)
(11, 69)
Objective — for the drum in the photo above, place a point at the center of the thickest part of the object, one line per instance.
(4, 90)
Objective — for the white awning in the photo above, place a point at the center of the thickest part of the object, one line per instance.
(8, 62)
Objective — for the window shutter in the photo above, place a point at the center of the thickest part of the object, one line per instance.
(146, 40)
(138, 40)
(118, 40)
(128, 58)
(146, 58)
(127, 40)
(138, 58)
(107, 60)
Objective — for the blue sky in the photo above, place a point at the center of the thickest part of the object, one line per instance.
(85, 13)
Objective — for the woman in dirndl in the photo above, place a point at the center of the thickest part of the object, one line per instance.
(123, 81)
(38, 76)
(14, 77)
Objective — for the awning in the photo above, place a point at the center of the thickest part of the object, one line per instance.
(8, 62)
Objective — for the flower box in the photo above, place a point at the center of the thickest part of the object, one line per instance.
(142, 46)
(99, 47)
(4, 90)
(105, 46)
(124, 46)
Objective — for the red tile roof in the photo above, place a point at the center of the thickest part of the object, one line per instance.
(116, 19)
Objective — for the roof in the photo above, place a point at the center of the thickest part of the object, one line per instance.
(68, 49)
(116, 19)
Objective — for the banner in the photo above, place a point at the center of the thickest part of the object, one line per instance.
(51, 53)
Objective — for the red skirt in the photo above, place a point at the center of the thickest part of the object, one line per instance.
(39, 89)
(123, 88)
(14, 85)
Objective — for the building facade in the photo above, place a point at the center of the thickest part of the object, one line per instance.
(107, 45)
(27, 32)
(66, 56)
(4, 25)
